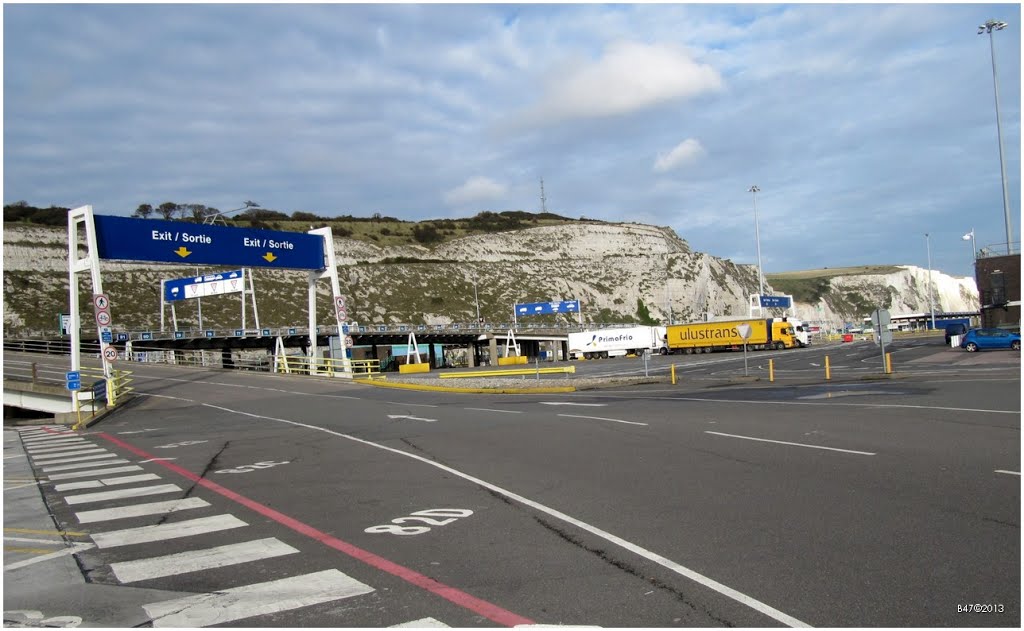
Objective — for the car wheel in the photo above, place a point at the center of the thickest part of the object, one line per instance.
(971, 347)
(1015, 345)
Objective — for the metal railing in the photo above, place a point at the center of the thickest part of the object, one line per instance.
(327, 366)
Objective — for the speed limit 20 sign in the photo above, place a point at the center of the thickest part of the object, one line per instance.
(109, 354)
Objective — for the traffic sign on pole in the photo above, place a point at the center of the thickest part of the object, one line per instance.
(101, 302)
(103, 318)
(109, 354)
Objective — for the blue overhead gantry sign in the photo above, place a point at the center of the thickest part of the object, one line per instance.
(133, 239)
(541, 308)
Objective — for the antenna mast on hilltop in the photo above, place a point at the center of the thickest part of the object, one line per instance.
(543, 200)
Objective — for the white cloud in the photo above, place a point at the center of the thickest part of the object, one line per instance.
(629, 77)
(686, 152)
(475, 190)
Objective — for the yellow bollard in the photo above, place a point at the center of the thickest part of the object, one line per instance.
(771, 370)
(673, 374)
(828, 370)
(888, 363)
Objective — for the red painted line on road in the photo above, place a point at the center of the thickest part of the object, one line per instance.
(488, 610)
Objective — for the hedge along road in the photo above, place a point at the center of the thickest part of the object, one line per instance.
(603, 509)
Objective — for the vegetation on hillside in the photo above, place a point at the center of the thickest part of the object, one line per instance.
(378, 229)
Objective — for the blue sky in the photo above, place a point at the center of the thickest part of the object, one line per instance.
(865, 126)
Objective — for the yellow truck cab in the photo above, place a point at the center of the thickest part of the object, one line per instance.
(705, 337)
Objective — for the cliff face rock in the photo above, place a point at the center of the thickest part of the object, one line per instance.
(609, 267)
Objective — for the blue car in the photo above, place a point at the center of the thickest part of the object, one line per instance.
(983, 339)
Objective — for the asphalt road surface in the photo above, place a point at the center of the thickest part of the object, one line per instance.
(260, 500)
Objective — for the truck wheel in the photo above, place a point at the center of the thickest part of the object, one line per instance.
(604, 354)
(707, 349)
(779, 346)
(664, 351)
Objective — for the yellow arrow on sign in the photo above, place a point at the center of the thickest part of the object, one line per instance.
(269, 257)
(182, 252)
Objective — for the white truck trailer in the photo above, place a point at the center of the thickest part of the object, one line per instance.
(616, 342)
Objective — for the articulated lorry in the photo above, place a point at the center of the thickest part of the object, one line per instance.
(617, 342)
(705, 337)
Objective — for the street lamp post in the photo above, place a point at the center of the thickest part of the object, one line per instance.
(988, 27)
(931, 307)
(970, 237)
(212, 218)
(757, 235)
(476, 300)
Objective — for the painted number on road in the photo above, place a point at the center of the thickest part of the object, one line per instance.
(249, 468)
(420, 517)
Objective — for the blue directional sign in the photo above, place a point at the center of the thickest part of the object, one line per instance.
(179, 335)
(106, 337)
(291, 331)
(239, 332)
(134, 239)
(784, 302)
(209, 333)
(147, 336)
(122, 337)
(541, 308)
(266, 333)
(74, 380)
(204, 285)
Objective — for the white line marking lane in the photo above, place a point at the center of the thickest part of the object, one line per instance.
(601, 418)
(1008, 472)
(782, 442)
(654, 557)
(492, 410)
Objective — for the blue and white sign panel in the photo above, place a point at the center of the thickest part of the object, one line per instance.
(541, 308)
(134, 239)
(784, 302)
(203, 286)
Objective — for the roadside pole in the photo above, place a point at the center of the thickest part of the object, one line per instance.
(880, 319)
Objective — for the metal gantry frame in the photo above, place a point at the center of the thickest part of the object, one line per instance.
(83, 217)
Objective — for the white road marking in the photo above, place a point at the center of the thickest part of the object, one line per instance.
(696, 577)
(140, 510)
(51, 439)
(69, 444)
(583, 405)
(96, 452)
(52, 542)
(83, 465)
(259, 599)
(74, 549)
(96, 484)
(62, 449)
(599, 418)
(412, 405)
(154, 460)
(86, 474)
(160, 532)
(196, 560)
(14, 456)
(782, 442)
(1008, 472)
(490, 410)
(137, 431)
(424, 623)
(79, 458)
(413, 418)
(18, 486)
(829, 404)
(102, 496)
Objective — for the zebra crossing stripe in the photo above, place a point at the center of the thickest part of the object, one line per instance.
(62, 460)
(140, 510)
(48, 443)
(196, 560)
(68, 467)
(49, 458)
(103, 496)
(97, 484)
(86, 474)
(259, 599)
(160, 532)
(48, 439)
(56, 450)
